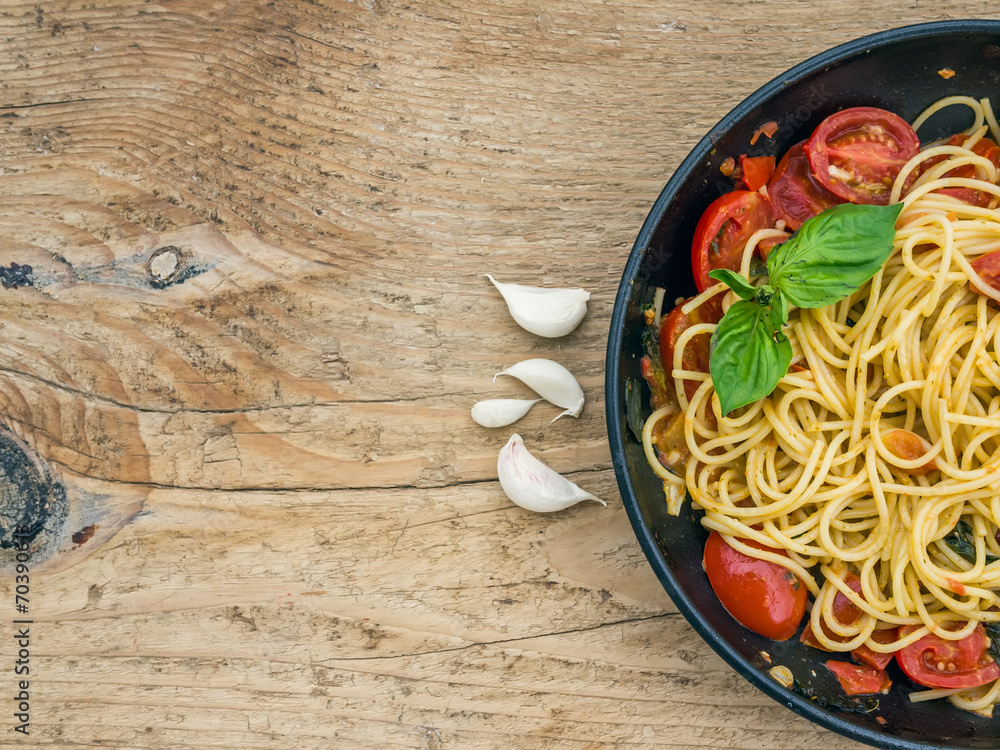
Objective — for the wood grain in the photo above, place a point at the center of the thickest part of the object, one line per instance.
(281, 526)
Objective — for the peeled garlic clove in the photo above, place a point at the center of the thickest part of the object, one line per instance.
(544, 312)
(533, 485)
(551, 381)
(498, 412)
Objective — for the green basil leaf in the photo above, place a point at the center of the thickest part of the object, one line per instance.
(833, 254)
(747, 362)
(961, 542)
(734, 281)
(651, 346)
(634, 417)
(779, 310)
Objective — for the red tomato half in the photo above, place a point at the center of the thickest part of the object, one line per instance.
(859, 680)
(857, 153)
(795, 194)
(696, 354)
(723, 231)
(936, 663)
(763, 596)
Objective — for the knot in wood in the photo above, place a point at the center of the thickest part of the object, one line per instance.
(167, 265)
(33, 507)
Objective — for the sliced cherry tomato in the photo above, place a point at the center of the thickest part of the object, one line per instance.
(988, 268)
(864, 655)
(756, 170)
(858, 679)
(857, 153)
(808, 638)
(844, 610)
(795, 194)
(723, 231)
(936, 663)
(763, 596)
(982, 147)
(908, 446)
(767, 245)
(696, 354)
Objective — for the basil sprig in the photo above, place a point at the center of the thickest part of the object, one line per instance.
(830, 257)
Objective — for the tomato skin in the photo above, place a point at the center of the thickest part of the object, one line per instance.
(756, 170)
(808, 639)
(723, 231)
(864, 655)
(982, 147)
(856, 153)
(761, 595)
(970, 656)
(845, 612)
(858, 679)
(696, 353)
(988, 268)
(909, 446)
(768, 129)
(795, 194)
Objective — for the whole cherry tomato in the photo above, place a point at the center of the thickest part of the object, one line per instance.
(723, 231)
(937, 663)
(857, 153)
(795, 194)
(763, 596)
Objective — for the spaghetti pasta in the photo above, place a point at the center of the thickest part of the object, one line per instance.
(884, 436)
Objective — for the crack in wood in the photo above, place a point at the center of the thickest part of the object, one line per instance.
(499, 641)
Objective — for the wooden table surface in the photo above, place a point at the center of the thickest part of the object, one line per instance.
(235, 383)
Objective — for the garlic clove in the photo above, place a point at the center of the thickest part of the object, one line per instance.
(551, 381)
(532, 485)
(545, 312)
(498, 412)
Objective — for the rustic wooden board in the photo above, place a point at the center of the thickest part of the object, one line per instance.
(279, 524)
